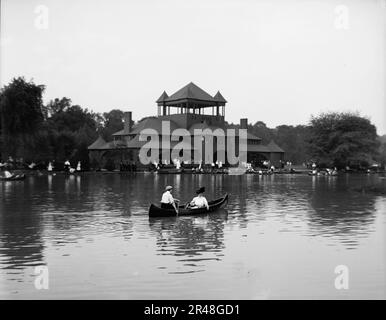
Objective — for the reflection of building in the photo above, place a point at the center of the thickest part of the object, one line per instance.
(189, 108)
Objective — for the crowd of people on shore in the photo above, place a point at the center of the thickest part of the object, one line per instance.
(187, 166)
(12, 164)
(261, 167)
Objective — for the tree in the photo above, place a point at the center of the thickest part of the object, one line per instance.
(260, 130)
(71, 129)
(21, 114)
(340, 139)
(382, 150)
(293, 141)
(57, 106)
(112, 123)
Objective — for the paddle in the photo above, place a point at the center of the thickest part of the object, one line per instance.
(176, 206)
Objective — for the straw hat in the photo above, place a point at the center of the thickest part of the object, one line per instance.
(168, 188)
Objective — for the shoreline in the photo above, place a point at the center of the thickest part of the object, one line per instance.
(92, 172)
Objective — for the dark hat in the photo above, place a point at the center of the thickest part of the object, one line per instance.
(201, 190)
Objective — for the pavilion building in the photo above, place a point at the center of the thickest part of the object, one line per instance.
(189, 108)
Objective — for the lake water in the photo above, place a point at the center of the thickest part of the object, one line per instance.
(281, 236)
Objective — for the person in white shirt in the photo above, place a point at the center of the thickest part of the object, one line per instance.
(32, 165)
(178, 164)
(7, 174)
(199, 201)
(167, 200)
(67, 165)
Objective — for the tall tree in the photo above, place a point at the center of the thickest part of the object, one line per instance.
(261, 130)
(293, 141)
(21, 113)
(382, 150)
(112, 123)
(71, 129)
(341, 139)
(57, 105)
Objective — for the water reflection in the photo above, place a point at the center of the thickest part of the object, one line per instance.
(44, 220)
(20, 230)
(337, 212)
(57, 210)
(192, 239)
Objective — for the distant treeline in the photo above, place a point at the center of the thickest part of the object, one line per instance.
(330, 140)
(59, 130)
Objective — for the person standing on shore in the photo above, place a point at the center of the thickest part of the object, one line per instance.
(67, 165)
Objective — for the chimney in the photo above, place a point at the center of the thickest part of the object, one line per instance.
(127, 121)
(244, 123)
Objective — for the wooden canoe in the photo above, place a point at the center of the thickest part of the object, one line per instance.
(155, 211)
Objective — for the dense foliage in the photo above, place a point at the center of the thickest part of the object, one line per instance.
(342, 139)
(57, 131)
(382, 150)
(292, 139)
(113, 123)
(330, 139)
(21, 115)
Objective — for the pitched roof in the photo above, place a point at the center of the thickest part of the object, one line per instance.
(204, 125)
(153, 123)
(135, 143)
(250, 136)
(273, 147)
(219, 97)
(191, 91)
(148, 123)
(98, 144)
(163, 97)
(257, 148)
(120, 133)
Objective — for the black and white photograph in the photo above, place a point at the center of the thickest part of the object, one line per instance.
(206, 150)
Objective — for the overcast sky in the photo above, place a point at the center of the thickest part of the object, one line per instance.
(274, 61)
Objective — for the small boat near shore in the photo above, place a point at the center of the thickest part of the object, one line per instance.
(169, 171)
(323, 173)
(17, 177)
(155, 211)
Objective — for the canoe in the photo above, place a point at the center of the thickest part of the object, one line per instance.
(155, 211)
(13, 178)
